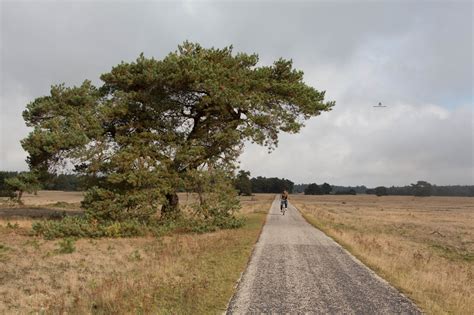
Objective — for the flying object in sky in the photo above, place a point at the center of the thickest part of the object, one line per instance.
(380, 105)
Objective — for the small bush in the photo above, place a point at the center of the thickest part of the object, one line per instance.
(66, 246)
(3, 248)
(80, 227)
(135, 255)
(381, 191)
(214, 224)
(13, 226)
(108, 205)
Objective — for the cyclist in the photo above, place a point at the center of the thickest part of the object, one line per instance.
(283, 201)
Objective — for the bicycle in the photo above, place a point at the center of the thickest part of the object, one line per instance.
(283, 206)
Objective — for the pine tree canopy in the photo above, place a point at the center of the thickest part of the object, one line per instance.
(154, 121)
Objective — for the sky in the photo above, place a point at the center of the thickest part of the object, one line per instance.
(416, 57)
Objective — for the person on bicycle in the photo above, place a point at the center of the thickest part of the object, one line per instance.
(284, 201)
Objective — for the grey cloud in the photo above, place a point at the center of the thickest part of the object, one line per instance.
(397, 52)
(392, 146)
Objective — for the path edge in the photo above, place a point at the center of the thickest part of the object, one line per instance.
(359, 262)
(239, 281)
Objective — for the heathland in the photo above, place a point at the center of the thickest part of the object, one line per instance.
(175, 273)
(424, 246)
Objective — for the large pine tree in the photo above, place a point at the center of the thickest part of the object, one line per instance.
(153, 123)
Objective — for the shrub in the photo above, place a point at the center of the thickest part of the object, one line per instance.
(381, 191)
(134, 216)
(422, 189)
(80, 227)
(66, 246)
(13, 226)
(3, 248)
(83, 227)
(107, 205)
(313, 189)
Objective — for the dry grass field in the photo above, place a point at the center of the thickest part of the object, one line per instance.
(47, 198)
(422, 245)
(179, 273)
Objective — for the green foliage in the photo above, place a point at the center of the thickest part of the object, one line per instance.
(135, 255)
(66, 246)
(313, 189)
(64, 182)
(107, 205)
(381, 191)
(215, 209)
(217, 200)
(3, 248)
(271, 185)
(216, 223)
(82, 227)
(455, 190)
(326, 189)
(243, 183)
(422, 189)
(6, 190)
(23, 182)
(13, 226)
(153, 123)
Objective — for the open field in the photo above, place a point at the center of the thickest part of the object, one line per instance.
(43, 204)
(175, 274)
(422, 245)
(49, 197)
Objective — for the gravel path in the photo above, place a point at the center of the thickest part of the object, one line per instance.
(295, 268)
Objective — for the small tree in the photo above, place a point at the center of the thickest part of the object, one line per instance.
(243, 183)
(381, 191)
(421, 189)
(326, 189)
(6, 190)
(312, 189)
(24, 182)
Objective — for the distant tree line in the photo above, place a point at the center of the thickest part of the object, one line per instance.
(423, 188)
(65, 182)
(326, 189)
(246, 185)
(315, 189)
(271, 185)
(243, 183)
(349, 190)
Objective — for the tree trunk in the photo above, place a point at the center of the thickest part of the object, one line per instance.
(171, 207)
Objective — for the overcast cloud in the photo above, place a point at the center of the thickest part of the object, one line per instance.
(416, 58)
